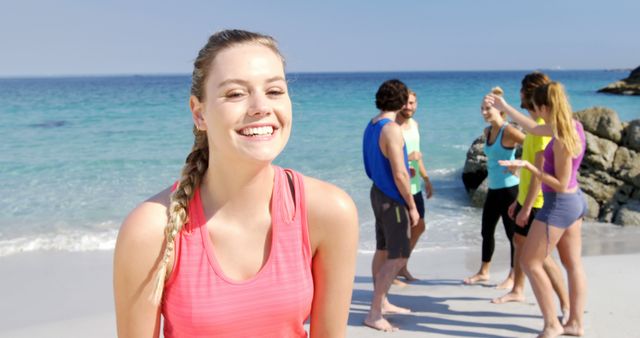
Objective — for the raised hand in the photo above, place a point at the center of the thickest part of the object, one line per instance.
(514, 165)
(495, 101)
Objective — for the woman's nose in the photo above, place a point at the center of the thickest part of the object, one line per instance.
(259, 105)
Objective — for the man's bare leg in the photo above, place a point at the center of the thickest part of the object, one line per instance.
(382, 282)
(415, 236)
(517, 292)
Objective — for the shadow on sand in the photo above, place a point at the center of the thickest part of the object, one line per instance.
(422, 305)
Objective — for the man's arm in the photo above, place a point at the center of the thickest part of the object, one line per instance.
(425, 177)
(534, 187)
(392, 143)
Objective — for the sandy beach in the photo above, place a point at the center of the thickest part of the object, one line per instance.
(61, 294)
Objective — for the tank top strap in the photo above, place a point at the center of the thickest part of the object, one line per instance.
(293, 208)
(498, 136)
(501, 132)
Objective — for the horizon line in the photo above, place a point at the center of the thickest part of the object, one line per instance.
(94, 75)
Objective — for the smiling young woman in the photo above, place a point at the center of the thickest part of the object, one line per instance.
(238, 246)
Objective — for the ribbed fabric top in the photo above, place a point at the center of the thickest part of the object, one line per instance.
(376, 165)
(549, 160)
(531, 145)
(201, 301)
(412, 142)
(498, 178)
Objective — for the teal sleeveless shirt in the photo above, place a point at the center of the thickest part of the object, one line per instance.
(412, 141)
(499, 177)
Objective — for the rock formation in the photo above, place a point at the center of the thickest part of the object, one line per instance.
(628, 86)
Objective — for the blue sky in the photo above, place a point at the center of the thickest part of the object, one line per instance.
(64, 37)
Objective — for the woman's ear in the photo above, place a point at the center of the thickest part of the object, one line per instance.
(197, 113)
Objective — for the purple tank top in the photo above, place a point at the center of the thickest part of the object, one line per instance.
(549, 163)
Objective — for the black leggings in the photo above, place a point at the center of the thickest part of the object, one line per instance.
(495, 206)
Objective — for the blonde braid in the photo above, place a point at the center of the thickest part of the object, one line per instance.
(192, 173)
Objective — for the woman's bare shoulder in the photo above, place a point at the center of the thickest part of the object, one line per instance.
(145, 223)
(326, 198)
(514, 134)
(330, 212)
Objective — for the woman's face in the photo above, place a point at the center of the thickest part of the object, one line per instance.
(489, 114)
(247, 110)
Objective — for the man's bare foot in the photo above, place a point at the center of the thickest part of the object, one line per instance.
(551, 332)
(476, 279)
(506, 285)
(398, 282)
(509, 297)
(388, 308)
(565, 317)
(380, 324)
(573, 329)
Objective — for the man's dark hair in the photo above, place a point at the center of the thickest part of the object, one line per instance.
(392, 95)
(530, 82)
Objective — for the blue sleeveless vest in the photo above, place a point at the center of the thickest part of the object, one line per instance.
(376, 165)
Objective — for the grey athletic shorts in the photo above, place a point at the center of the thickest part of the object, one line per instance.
(562, 209)
(392, 225)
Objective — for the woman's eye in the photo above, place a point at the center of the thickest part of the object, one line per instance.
(275, 92)
(232, 95)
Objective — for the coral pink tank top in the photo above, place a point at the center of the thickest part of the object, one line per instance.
(200, 301)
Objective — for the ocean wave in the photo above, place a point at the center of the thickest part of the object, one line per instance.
(71, 241)
(464, 147)
(445, 172)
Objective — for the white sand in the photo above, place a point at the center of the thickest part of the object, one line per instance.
(55, 294)
(443, 307)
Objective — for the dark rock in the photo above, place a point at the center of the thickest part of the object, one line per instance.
(607, 211)
(629, 214)
(599, 185)
(626, 166)
(593, 208)
(475, 166)
(631, 137)
(628, 86)
(602, 122)
(479, 195)
(600, 152)
(623, 194)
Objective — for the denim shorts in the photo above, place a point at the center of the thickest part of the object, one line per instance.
(562, 209)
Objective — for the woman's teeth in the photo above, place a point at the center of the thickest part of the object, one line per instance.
(258, 131)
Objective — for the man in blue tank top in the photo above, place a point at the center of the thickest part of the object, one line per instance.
(386, 164)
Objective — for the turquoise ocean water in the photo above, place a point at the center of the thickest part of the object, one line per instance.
(78, 153)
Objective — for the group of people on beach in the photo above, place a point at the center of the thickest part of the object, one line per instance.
(239, 247)
(543, 208)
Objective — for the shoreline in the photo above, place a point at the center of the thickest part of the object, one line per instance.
(70, 293)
